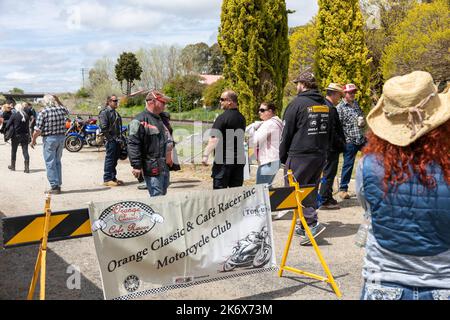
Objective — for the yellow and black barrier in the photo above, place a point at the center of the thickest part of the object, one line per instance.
(71, 224)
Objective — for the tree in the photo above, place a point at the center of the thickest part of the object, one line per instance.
(421, 42)
(302, 42)
(195, 57)
(342, 55)
(216, 60)
(382, 17)
(253, 36)
(128, 69)
(102, 82)
(186, 90)
(16, 91)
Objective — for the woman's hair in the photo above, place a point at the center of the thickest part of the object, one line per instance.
(49, 101)
(270, 106)
(401, 163)
(20, 107)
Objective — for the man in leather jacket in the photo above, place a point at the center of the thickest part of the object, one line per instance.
(149, 145)
(110, 125)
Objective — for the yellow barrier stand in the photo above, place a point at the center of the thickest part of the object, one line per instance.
(42, 255)
(298, 213)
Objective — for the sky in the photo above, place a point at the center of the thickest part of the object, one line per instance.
(44, 44)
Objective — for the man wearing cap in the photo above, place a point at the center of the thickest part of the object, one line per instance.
(353, 123)
(336, 146)
(304, 144)
(111, 127)
(148, 145)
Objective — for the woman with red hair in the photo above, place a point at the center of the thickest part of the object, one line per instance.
(403, 184)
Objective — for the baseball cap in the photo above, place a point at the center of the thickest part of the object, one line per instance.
(305, 77)
(350, 87)
(156, 95)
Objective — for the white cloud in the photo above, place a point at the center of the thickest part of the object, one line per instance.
(19, 76)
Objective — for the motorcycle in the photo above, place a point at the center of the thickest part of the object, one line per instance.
(87, 132)
(254, 250)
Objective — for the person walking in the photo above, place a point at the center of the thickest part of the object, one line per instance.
(403, 183)
(51, 125)
(227, 142)
(304, 144)
(111, 127)
(353, 123)
(336, 146)
(18, 128)
(265, 138)
(149, 146)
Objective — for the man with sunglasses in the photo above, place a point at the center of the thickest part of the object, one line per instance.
(227, 140)
(110, 125)
(353, 123)
(149, 146)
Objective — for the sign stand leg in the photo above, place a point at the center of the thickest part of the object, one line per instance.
(41, 258)
(301, 194)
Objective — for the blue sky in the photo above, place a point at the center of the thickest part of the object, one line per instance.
(44, 44)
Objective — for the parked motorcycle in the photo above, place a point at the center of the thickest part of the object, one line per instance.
(254, 250)
(83, 132)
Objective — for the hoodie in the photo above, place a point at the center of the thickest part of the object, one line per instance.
(265, 137)
(306, 126)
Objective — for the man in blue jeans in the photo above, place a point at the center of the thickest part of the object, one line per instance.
(51, 125)
(149, 145)
(352, 120)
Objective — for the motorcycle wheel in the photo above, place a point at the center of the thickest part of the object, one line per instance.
(228, 265)
(262, 257)
(73, 144)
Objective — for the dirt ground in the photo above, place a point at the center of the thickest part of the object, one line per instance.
(23, 194)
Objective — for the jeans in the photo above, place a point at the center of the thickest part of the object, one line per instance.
(53, 148)
(267, 172)
(394, 291)
(329, 173)
(347, 168)
(111, 158)
(157, 186)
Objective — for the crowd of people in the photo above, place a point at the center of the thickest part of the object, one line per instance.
(402, 180)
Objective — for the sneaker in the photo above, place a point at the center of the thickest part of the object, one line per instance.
(344, 195)
(299, 231)
(329, 206)
(316, 230)
(332, 201)
(54, 190)
(110, 183)
(142, 186)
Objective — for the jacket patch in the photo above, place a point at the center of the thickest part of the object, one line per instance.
(317, 109)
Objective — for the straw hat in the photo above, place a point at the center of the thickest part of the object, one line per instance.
(408, 109)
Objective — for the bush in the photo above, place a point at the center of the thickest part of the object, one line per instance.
(185, 90)
(82, 93)
(211, 94)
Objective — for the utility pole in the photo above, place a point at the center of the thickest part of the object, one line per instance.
(82, 74)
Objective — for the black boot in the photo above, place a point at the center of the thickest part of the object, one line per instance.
(27, 167)
(12, 167)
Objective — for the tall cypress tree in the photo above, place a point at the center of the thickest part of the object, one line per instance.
(253, 36)
(342, 55)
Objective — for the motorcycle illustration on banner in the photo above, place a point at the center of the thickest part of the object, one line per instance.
(252, 251)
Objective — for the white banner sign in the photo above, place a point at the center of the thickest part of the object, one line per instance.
(148, 246)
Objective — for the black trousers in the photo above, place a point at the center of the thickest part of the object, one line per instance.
(227, 175)
(15, 145)
(307, 170)
(329, 173)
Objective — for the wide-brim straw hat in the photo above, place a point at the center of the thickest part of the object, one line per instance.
(409, 108)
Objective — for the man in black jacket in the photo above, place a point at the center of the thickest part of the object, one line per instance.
(337, 145)
(111, 125)
(304, 144)
(149, 145)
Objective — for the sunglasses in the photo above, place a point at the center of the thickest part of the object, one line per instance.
(263, 110)
(223, 99)
(115, 100)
